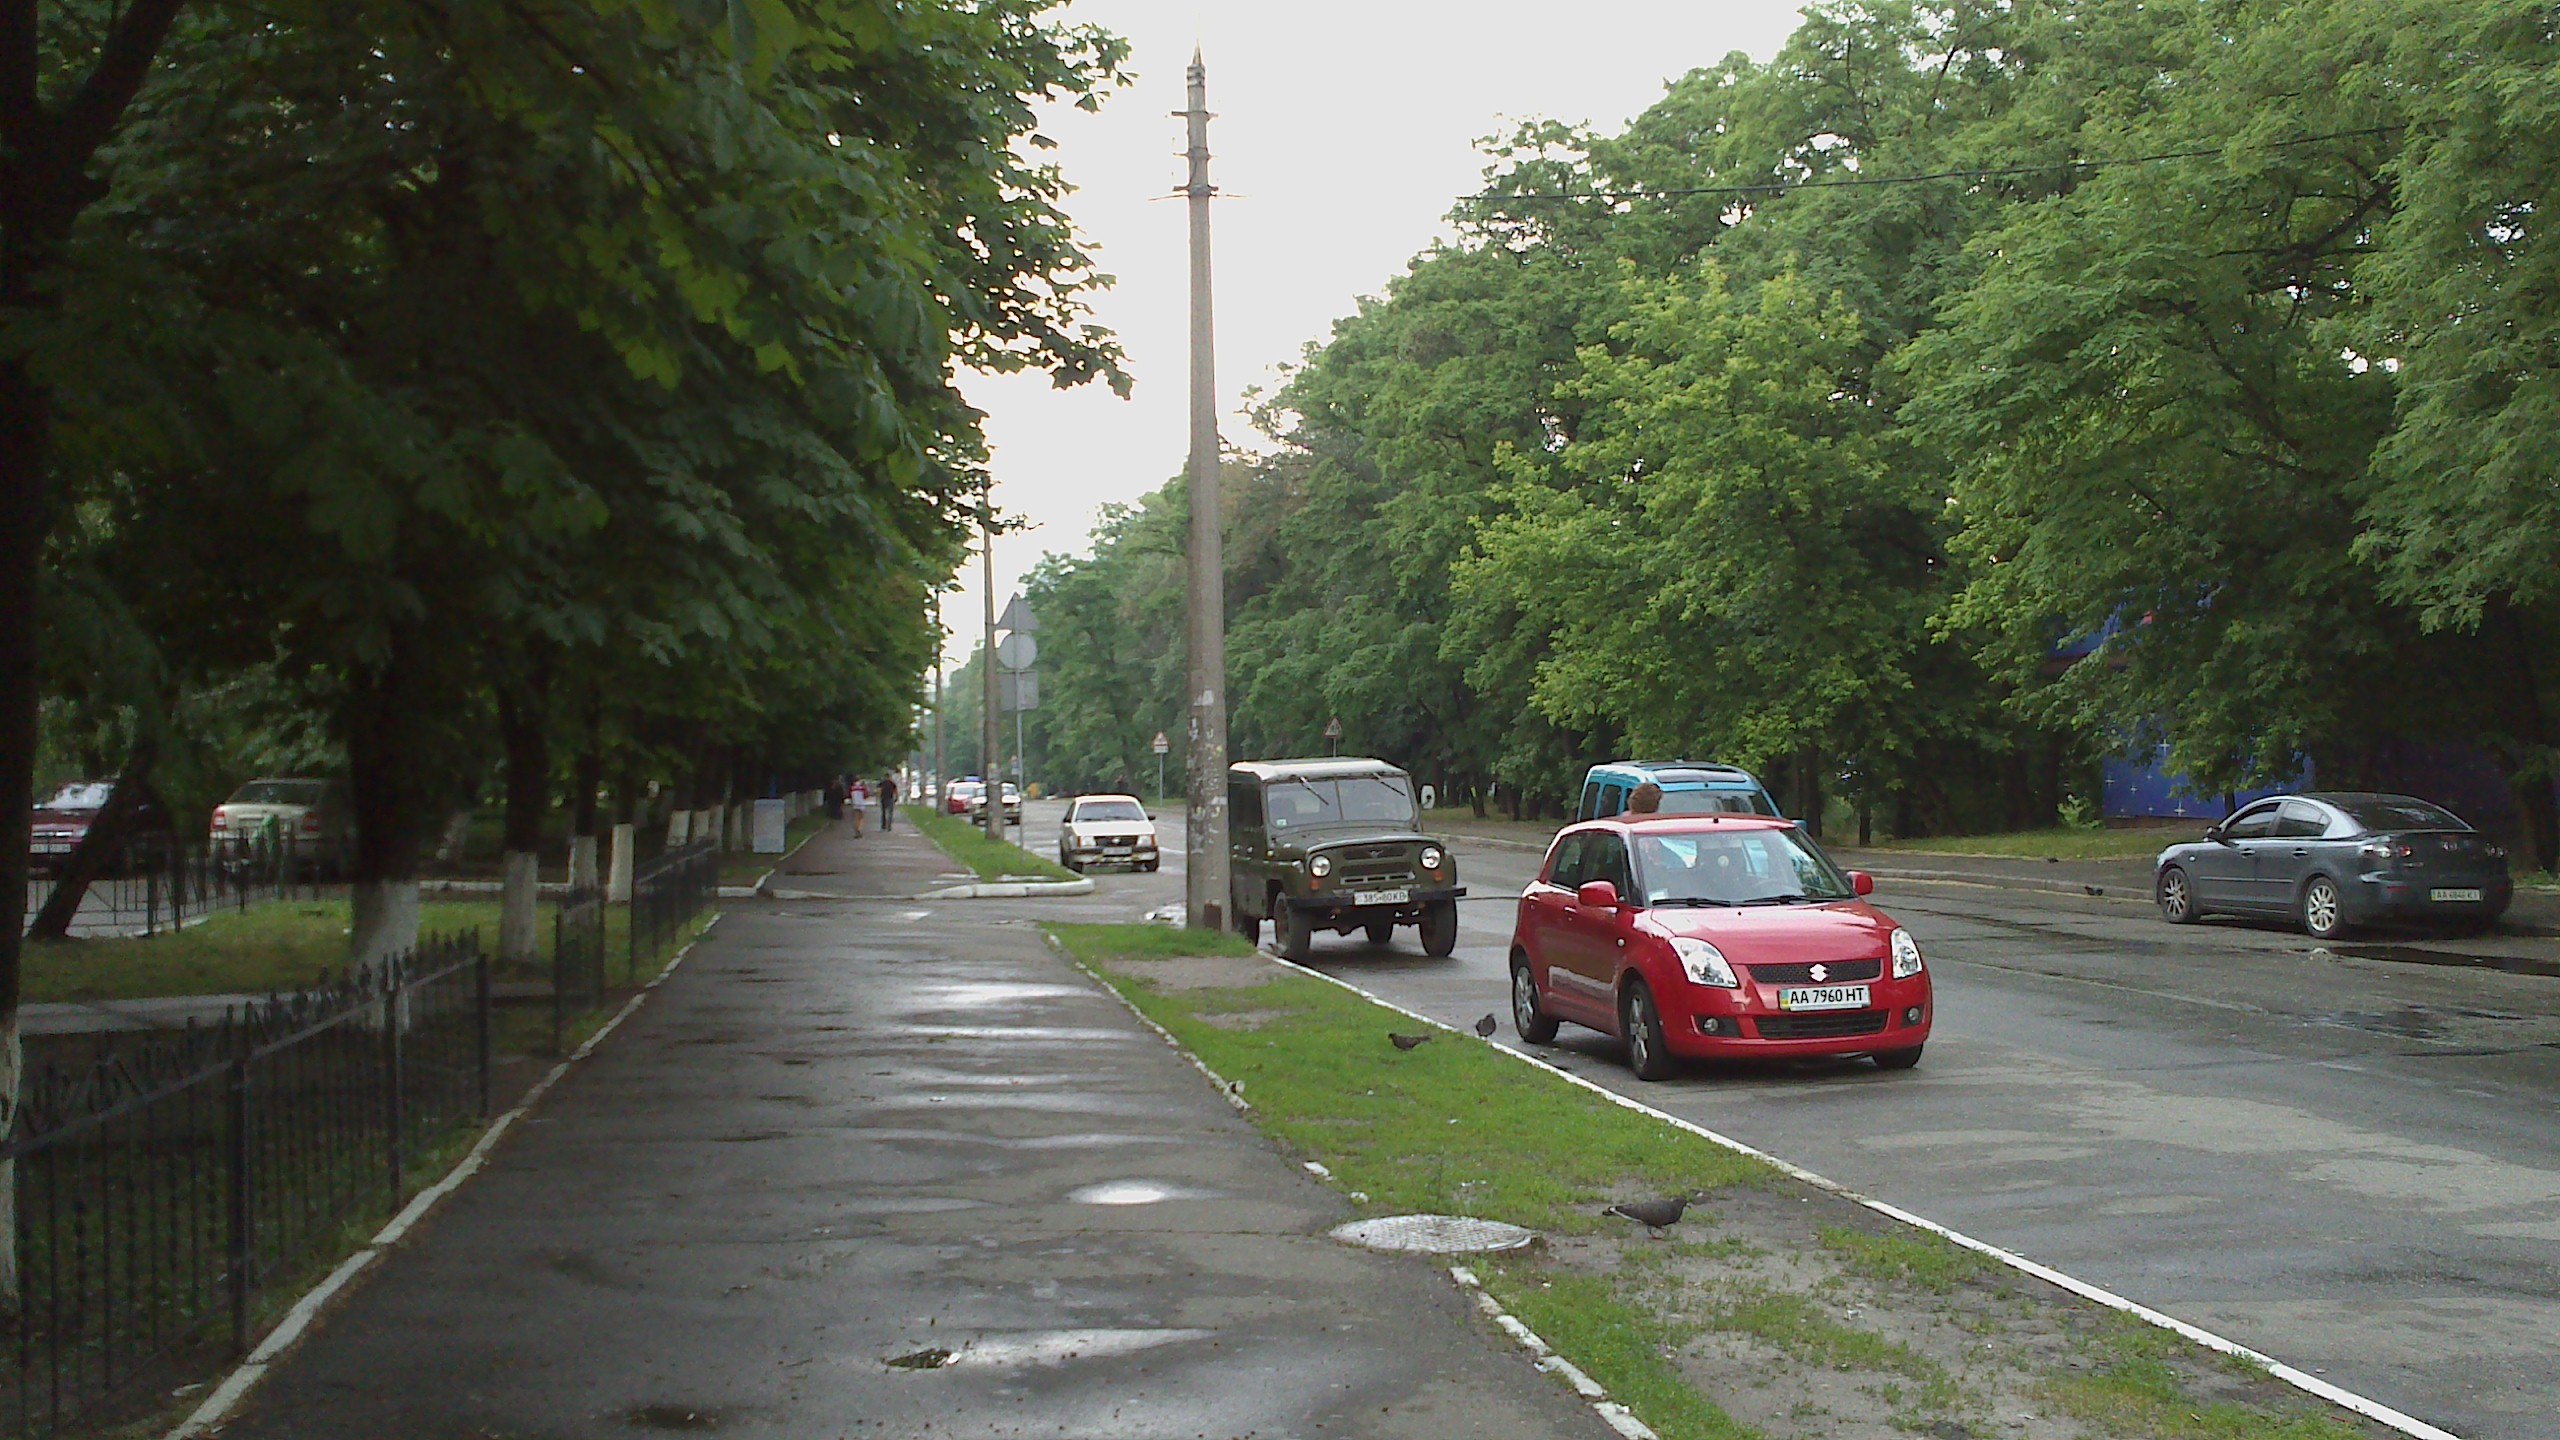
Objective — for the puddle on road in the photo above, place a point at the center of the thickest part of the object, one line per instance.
(970, 993)
(1137, 1192)
(1046, 1347)
(2414, 955)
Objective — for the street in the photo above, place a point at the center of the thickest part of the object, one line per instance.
(2345, 1163)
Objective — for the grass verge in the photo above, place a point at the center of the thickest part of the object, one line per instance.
(968, 845)
(2059, 842)
(1774, 1309)
(269, 946)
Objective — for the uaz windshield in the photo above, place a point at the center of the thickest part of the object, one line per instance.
(1734, 867)
(1350, 800)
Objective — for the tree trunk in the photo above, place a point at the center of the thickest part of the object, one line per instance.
(392, 805)
(520, 724)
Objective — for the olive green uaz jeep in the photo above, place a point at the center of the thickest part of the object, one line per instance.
(1331, 845)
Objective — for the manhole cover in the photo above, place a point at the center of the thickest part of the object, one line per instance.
(1434, 1234)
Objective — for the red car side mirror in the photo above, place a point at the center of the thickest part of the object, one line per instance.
(1598, 894)
(1862, 882)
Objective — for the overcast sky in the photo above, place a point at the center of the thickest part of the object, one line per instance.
(1345, 129)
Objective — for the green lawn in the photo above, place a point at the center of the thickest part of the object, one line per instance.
(271, 946)
(2060, 842)
(968, 845)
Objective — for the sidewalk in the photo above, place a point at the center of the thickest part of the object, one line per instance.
(883, 1170)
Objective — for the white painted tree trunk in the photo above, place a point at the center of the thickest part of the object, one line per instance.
(706, 824)
(679, 827)
(582, 862)
(617, 880)
(386, 921)
(520, 909)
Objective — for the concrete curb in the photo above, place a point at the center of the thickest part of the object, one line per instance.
(216, 1410)
(2008, 882)
(2309, 1384)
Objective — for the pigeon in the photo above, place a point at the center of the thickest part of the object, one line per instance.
(1652, 1214)
(2094, 889)
(1406, 1042)
(1486, 1026)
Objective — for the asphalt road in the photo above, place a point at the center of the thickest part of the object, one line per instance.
(2345, 1162)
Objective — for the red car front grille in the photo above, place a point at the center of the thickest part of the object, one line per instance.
(1819, 1025)
(1834, 972)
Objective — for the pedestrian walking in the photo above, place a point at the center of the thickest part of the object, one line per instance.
(857, 803)
(888, 802)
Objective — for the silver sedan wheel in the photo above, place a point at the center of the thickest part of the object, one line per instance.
(2320, 915)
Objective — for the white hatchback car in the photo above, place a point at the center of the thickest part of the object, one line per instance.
(1107, 830)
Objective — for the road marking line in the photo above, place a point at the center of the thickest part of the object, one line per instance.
(2375, 1410)
(298, 1320)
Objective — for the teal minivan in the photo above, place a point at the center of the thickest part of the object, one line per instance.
(1689, 787)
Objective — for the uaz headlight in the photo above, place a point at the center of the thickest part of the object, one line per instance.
(1321, 866)
(1906, 955)
(1431, 857)
(1704, 963)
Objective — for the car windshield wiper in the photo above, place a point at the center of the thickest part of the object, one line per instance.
(1776, 899)
(1694, 900)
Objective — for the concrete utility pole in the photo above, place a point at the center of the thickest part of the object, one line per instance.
(941, 771)
(988, 740)
(1204, 888)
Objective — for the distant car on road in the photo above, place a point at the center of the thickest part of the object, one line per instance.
(1011, 798)
(309, 817)
(62, 820)
(960, 797)
(1107, 830)
(2336, 860)
(1689, 787)
(1726, 936)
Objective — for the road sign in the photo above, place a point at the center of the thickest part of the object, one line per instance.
(1017, 617)
(1161, 744)
(1017, 690)
(1333, 728)
(1018, 651)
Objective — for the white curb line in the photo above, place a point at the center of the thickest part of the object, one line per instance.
(2375, 1410)
(1616, 1416)
(235, 1387)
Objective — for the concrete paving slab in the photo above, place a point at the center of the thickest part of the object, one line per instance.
(854, 1175)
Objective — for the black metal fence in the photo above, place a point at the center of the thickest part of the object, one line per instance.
(160, 1193)
(666, 895)
(577, 957)
(155, 883)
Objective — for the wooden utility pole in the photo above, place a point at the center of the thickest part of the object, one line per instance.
(1204, 888)
(988, 739)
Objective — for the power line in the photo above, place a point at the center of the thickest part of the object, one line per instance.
(1779, 187)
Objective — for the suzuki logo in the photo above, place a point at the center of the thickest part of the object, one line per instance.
(1819, 973)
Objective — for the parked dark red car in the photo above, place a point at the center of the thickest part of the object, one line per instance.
(1726, 936)
(59, 822)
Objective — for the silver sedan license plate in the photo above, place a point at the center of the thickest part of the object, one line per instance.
(1822, 997)
(1381, 897)
(2443, 894)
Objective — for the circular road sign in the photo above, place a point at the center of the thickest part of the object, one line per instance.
(1017, 651)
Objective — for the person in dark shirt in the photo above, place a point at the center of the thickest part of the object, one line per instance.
(888, 801)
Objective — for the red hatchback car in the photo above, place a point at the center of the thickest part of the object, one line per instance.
(1725, 936)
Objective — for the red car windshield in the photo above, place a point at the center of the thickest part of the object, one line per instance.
(1734, 867)
(80, 795)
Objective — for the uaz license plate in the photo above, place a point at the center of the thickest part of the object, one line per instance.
(2453, 895)
(1381, 897)
(1823, 997)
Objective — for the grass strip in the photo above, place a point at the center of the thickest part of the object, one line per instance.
(1455, 1126)
(2060, 842)
(968, 845)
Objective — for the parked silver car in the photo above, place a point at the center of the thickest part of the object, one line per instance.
(2336, 860)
